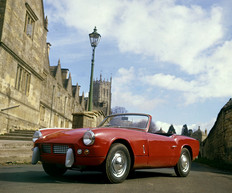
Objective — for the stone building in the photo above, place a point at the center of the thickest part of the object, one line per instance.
(218, 144)
(33, 94)
(199, 134)
(102, 95)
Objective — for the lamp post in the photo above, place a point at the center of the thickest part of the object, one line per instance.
(94, 38)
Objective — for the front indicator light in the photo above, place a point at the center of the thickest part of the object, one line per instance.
(86, 152)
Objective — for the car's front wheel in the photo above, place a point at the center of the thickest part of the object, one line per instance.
(118, 162)
(183, 166)
(53, 169)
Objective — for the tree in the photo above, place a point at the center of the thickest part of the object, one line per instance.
(117, 110)
(185, 130)
(153, 127)
(171, 129)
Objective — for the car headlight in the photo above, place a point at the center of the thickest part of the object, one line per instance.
(89, 138)
(36, 136)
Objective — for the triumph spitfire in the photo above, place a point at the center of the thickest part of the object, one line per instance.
(119, 145)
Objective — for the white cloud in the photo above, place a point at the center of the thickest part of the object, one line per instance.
(169, 82)
(191, 38)
(214, 80)
(170, 32)
(123, 84)
(83, 15)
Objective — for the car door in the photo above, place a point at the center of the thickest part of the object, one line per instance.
(162, 150)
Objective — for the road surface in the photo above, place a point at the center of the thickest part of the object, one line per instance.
(32, 179)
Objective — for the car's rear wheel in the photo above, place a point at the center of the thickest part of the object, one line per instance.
(183, 166)
(53, 169)
(118, 162)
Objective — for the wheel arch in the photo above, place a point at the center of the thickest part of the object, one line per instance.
(189, 149)
(128, 146)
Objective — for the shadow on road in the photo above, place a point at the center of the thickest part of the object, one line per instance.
(151, 173)
(42, 177)
(26, 174)
(199, 167)
(74, 176)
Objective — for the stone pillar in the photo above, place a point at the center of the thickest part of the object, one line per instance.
(87, 119)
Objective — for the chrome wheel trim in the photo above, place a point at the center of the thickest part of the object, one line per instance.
(184, 162)
(119, 164)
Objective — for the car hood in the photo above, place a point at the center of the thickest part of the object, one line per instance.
(76, 135)
(64, 136)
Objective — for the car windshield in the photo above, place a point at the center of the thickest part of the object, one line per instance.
(126, 121)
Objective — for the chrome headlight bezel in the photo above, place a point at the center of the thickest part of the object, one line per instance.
(89, 138)
(36, 136)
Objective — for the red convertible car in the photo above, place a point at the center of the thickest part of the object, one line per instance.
(119, 145)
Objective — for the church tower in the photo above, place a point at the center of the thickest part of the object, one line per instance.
(102, 95)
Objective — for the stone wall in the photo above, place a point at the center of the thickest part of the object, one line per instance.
(2, 13)
(43, 95)
(218, 144)
(21, 65)
(13, 151)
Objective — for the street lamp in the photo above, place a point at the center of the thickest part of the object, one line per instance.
(94, 38)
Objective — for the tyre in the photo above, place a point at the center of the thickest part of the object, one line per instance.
(54, 170)
(118, 162)
(183, 166)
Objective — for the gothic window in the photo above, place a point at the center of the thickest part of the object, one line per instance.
(61, 123)
(66, 124)
(23, 79)
(29, 21)
(29, 25)
(18, 78)
(42, 112)
(55, 121)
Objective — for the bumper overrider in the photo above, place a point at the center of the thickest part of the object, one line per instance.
(69, 159)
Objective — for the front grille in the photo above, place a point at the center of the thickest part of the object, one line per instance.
(46, 148)
(60, 149)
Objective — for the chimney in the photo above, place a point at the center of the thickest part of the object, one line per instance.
(48, 47)
(46, 23)
(64, 73)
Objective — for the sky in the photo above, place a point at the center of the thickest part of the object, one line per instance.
(168, 58)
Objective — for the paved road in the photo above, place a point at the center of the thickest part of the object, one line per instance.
(32, 179)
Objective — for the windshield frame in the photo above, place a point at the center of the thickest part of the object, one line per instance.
(127, 114)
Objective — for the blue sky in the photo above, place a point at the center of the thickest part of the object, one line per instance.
(169, 58)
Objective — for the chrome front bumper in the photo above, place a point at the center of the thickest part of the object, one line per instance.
(35, 155)
(69, 160)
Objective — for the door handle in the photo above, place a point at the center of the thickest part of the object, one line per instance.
(144, 149)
